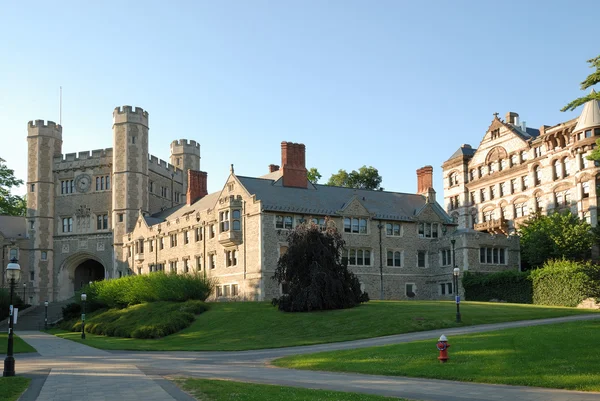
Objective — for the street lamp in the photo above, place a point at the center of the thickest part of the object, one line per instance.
(24, 288)
(46, 316)
(456, 273)
(83, 298)
(13, 273)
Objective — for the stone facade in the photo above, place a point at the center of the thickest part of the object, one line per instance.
(518, 171)
(118, 211)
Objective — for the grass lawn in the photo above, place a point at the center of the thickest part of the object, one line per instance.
(232, 326)
(12, 387)
(19, 345)
(556, 356)
(221, 390)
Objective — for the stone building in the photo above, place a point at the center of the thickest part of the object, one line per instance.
(517, 171)
(118, 211)
(14, 242)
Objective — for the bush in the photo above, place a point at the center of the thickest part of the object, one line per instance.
(565, 283)
(509, 286)
(153, 287)
(147, 320)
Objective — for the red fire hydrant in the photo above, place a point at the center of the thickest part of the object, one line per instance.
(442, 346)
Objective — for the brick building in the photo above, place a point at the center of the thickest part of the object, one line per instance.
(107, 213)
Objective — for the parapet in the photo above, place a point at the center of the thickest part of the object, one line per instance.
(184, 146)
(161, 167)
(128, 114)
(94, 158)
(39, 127)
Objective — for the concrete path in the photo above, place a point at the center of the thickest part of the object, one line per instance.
(66, 371)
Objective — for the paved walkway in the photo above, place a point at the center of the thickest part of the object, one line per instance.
(67, 371)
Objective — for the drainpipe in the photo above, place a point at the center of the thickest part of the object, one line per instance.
(380, 227)
(244, 235)
(172, 193)
(204, 248)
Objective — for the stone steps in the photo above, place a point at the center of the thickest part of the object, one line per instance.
(33, 318)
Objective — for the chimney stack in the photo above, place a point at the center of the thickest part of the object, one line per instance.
(293, 162)
(424, 179)
(196, 186)
(512, 118)
(273, 168)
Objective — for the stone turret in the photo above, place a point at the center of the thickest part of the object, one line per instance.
(130, 170)
(45, 142)
(185, 155)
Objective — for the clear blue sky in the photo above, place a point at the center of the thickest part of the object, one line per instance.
(392, 84)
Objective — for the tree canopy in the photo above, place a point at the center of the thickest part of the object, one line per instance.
(313, 274)
(556, 236)
(313, 175)
(11, 205)
(364, 178)
(591, 80)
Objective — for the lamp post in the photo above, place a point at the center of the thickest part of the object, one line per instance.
(46, 316)
(83, 298)
(456, 273)
(24, 288)
(13, 273)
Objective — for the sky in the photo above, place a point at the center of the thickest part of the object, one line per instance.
(396, 85)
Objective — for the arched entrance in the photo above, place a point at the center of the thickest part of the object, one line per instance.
(88, 270)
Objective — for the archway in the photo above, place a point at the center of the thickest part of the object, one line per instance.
(86, 271)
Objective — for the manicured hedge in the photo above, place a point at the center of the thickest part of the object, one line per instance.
(153, 287)
(146, 320)
(565, 283)
(509, 286)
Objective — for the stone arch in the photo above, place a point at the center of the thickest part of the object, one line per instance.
(77, 270)
(497, 153)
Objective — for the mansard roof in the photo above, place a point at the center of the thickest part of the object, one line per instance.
(590, 116)
(328, 200)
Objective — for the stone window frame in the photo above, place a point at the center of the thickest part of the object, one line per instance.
(447, 253)
(231, 257)
(283, 221)
(445, 289)
(362, 225)
(433, 233)
(394, 251)
(453, 179)
(67, 187)
(390, 229)
(493, 255)
(413, 288)
(224, 225)
(347, 252)
(199, 259)
(173, 239)
(101, 218)
(186, 264)
(173, 266)
(44, 255)
(69, 224)
(425, 258)
(103, 183)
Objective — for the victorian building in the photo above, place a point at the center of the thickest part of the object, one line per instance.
(517, 171)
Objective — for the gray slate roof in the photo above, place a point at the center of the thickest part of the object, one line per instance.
(463, 151)
(13, 227)
(324, 200)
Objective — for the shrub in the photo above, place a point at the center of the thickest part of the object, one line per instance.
(153, 287)
(147, 320)
(509, 286)
(71, 311)
(315, 275)
(565, 283)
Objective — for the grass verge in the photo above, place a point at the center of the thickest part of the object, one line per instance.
(222, 390)
(147, 320)
(11, 388)
(19, 346)
(555, 356)
(238, 326)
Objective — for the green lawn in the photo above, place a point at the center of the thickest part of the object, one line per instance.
(221, 390)
(254, 325)
(557, 356)
(19, 345)
(12, 387)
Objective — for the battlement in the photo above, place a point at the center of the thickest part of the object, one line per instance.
(160, 166)
(184, 146)
(96, 154)
(128, 114)
(39, 127)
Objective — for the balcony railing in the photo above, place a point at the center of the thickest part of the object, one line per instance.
(493, 226)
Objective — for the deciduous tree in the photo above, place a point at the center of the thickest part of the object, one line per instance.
(313, 175)
(556, 236)
(313, 273)
(11, 205)
(364, 178)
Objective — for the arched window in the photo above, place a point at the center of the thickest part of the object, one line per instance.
(538, 202)
(566, 165)
(521, 209)
(557, 171)
(488, 215)
(537, 175)
(585, 189)
(453, 179)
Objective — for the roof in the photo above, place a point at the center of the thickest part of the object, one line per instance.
(464, 150)
(590, 116)
(13, 226)
(328, 200)
(528, 133)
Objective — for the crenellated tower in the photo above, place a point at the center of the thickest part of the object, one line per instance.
(185, 155)
(44, 143)
(130, 170)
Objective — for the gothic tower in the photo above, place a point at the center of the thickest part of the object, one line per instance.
(44, 142)
(185, 156)
(130, 171)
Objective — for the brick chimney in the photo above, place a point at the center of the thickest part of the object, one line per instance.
(293, 161)
(425, 183)
(273, 168)
(512, 118)
(196, 186)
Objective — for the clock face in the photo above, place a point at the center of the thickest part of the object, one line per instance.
(82, 182)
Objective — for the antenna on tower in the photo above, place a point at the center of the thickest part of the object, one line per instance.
(60, 108)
